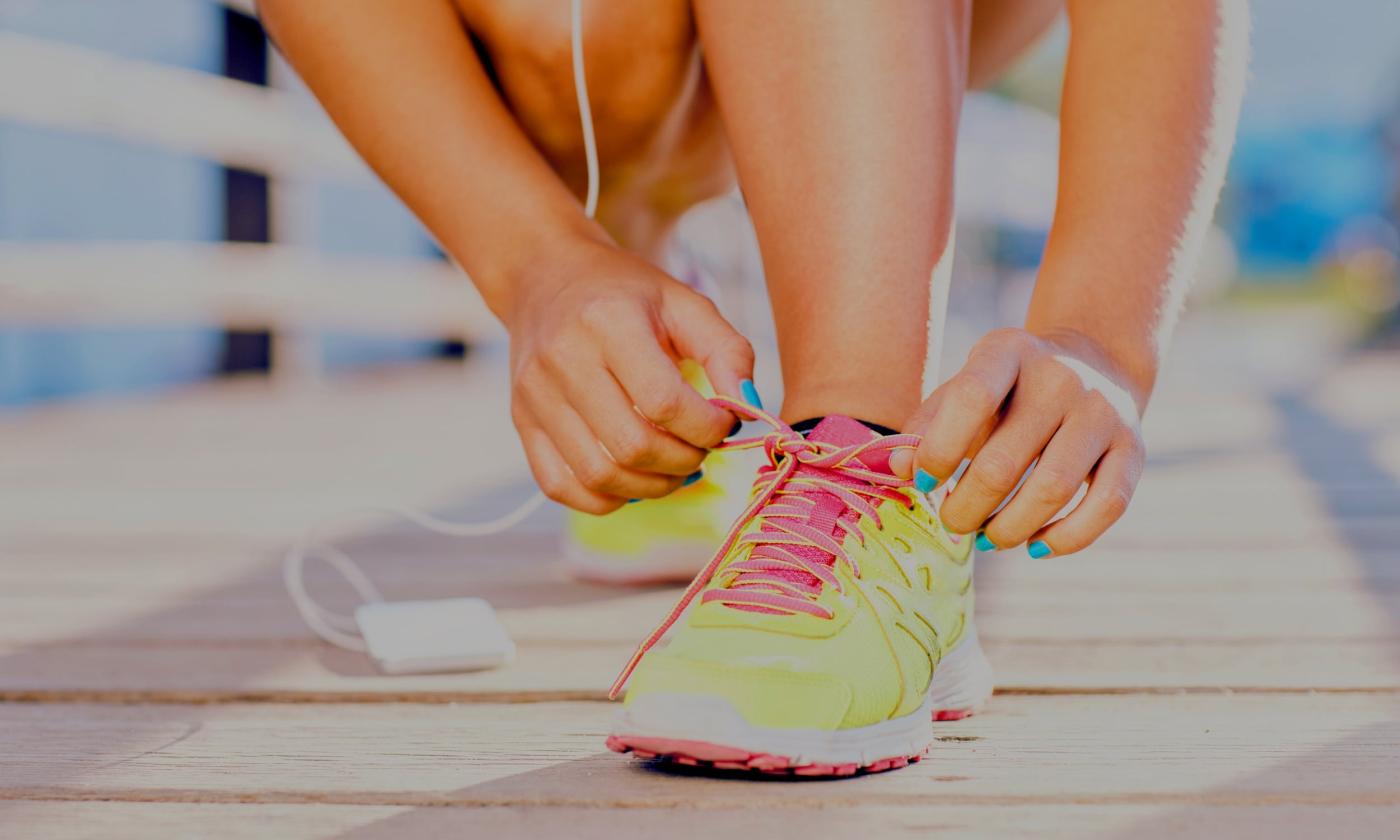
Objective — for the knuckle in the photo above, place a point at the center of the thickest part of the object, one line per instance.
(1115, 502)
(1006, 534)
(664, 406)
(519, 416)
(976, 394)
(633, 447)
(598, 474)
(1053, 486)
(1005, 337)
(739, 347)
(958, 520)
(1134, 442)
(935, 460)
(1068, 537)
(557, 355)
(554, 487)
(597, 505)
(600, 314)
(529, 371)
(995, 470)
(658, 490)
(1052, 377)
(1101, 408)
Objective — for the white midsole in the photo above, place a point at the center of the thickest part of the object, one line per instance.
(964, 678)
(714, 720)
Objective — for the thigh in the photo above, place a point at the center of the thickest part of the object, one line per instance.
(1002, 30)
(660, 143)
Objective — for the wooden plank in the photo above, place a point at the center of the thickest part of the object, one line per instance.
(546, 606)
(1200, 749)
(66, 820)
(219, 672)
(250, 464)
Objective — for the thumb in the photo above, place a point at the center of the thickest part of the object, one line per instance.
(699, 332)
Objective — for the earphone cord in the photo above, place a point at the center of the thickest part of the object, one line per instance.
(341, 630)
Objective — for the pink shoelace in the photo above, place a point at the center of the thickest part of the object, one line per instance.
(791, 559)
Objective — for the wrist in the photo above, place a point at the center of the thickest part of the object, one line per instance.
(1131, 362)
(533, 263)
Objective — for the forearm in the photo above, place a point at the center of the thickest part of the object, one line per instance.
(1152, 93)
(404, 84)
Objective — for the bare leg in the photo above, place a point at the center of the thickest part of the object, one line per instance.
(843, 124)
(662, 146)
(660, 143)
(1001, 32)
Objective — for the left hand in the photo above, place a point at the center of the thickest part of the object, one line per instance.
(1055, 400)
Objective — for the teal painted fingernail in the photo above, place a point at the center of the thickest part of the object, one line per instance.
(750, 394)
(693, 477)
(984, 544)
(633, 501)
(924, 482)
(1038, 549)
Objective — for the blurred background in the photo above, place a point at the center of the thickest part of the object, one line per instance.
(174, 207)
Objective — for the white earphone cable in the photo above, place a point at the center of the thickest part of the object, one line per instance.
(341, 630)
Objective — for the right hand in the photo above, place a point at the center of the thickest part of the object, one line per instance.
(596, 393)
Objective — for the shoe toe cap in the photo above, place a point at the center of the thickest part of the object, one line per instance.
(769, 697)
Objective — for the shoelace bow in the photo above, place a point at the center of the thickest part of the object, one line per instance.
(780, 574)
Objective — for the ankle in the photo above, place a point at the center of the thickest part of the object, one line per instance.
(882, 409)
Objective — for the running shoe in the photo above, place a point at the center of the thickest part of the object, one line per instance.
(655, 541)
(829, 630)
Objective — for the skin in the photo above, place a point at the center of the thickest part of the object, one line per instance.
(802, 98)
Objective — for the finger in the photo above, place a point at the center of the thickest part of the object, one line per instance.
(999, 465)
(1054, 480)
(699, 332)
(627, 436)
(555, 478)
(1110, 489)
(961, 410)
(654, 384)
(590, 462)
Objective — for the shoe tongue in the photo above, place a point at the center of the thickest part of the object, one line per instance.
(827, 507)
(848, 431)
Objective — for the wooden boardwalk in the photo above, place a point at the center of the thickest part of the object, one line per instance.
(1226, 661)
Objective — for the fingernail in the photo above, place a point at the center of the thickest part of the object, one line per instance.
(924, 482)
(633, 501)
(693, 477)
(1038, 549)
(984, 544)
(734, 430)
(750, 393)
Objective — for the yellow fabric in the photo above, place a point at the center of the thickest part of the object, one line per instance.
(871, 662)
(695, 515)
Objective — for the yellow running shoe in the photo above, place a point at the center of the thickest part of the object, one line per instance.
(664, 540)
(829, 630)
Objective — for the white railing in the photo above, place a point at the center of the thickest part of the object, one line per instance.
(280, 287)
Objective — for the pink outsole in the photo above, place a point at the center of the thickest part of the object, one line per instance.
(718, 757)
(942, 715)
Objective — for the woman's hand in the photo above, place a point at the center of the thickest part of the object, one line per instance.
(1055, 400)
(596, 394)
